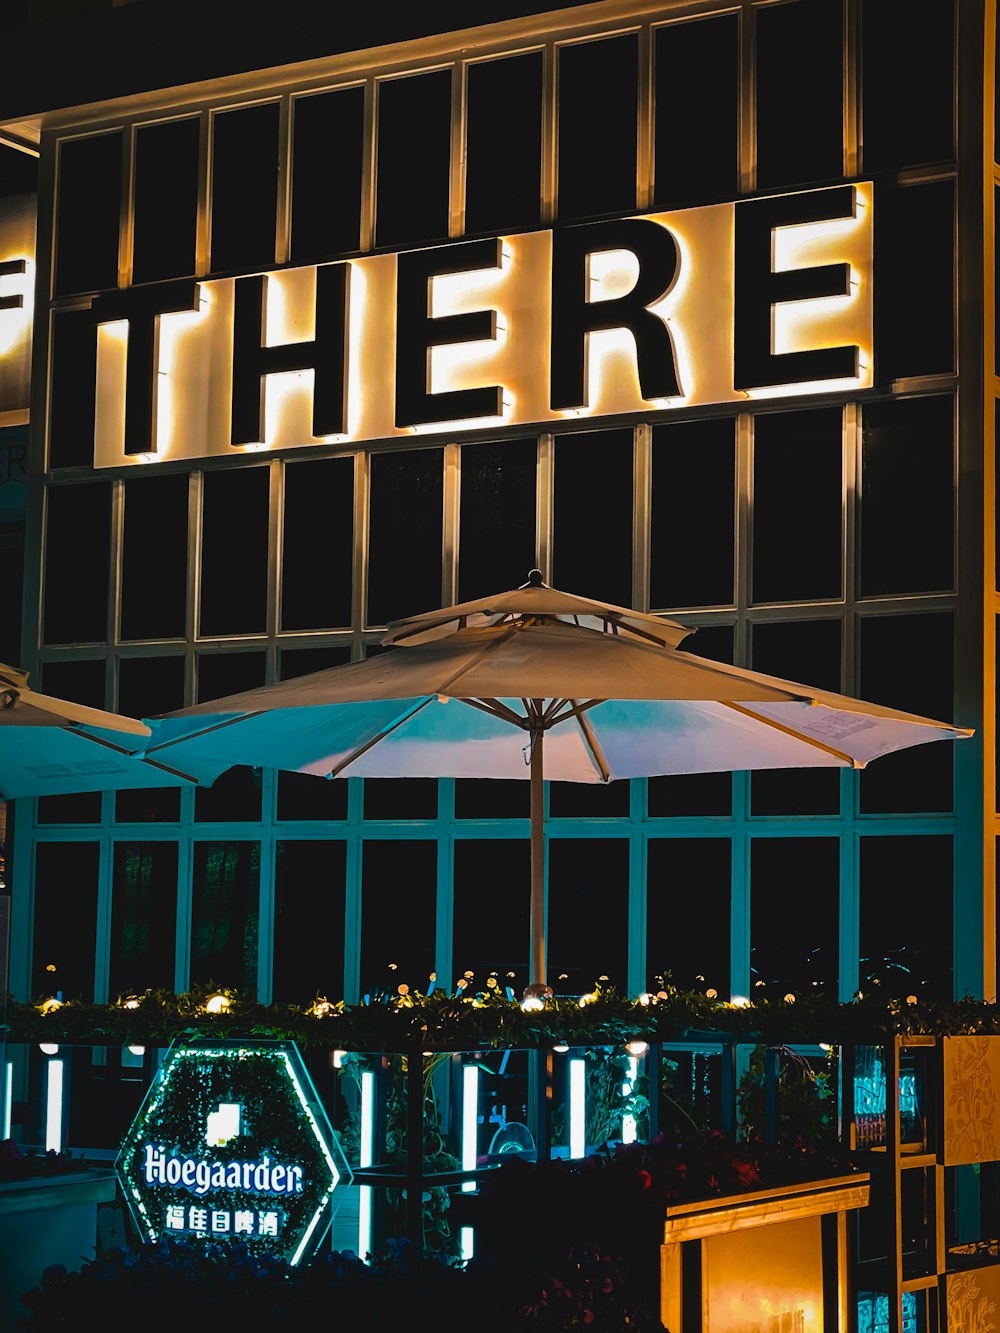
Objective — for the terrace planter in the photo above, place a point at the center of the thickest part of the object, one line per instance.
(775, 1260)
(47, 1220)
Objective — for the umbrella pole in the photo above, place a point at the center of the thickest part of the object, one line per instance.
(537, 929)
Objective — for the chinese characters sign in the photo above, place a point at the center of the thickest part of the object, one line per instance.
(232, 1143)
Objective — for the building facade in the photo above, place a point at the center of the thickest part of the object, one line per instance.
(255, 439)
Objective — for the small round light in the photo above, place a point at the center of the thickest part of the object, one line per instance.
(789, 998)
(217, 1004)
(644, 998)
(911, 999)
(138, 1050)
(562, 1048)
(739, 1002)
(712, 993)
(637, 1047)
(532, 1003)
(48, 1048)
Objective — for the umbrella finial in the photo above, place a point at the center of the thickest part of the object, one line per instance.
(534, 579)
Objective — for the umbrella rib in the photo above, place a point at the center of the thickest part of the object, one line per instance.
(593, 745)
(790, 731)
(204, 731)
(494, 707)
(386, 731)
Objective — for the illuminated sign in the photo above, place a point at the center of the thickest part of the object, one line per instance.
(759, 298)
(17, 276)
(232, 1144)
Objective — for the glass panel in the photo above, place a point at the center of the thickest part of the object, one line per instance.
(74, 382)
(148, 686)
(234, 551)
(88, 213)
(304, 661)
(918, 778)
(907, 522)
(587, 914)
(65, 931)
(309, 901)
(907, 86)
(397, 914)
(684, 795)
(497, 547)
(697, 82)
(572, 800)
(326, 147)
(143, 917)
(791, 949)
(687, 913)
(301, 795)
(797, 505)
(693, 512)
(318, 544)
(226, 889)
(83, 682)
(806, 651)
(491, 798)
(236, 794)
(414, 155)
(597, 135)
(914, 283)
(800, 92)
(154, 558)
(166, 200)
(503, 137)
(244, 187)
(906, 915)
(77, 536)
(492, 902)
(592, 515)
(404, 559)
(400, 798)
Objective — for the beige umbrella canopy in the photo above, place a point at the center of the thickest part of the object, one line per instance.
(51, 746)
(535, 683)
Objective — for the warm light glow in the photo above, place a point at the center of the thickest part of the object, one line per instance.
(577, 1108)
(54, 1105)
(217, 1004)
(532, 1003)
(637, 1047)
(137, 1050)
(15, 321)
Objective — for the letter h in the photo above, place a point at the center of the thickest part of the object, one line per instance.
(326, 354)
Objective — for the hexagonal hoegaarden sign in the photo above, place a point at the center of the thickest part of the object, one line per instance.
(232, 1145)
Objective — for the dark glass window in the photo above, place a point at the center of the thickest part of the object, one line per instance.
(492, 903)
(503, 139)
(587, 932)
(693, 513)
(907, 520)
(11, 607)
(413, 158)
(914, 283)
(399, 892)
(74, 384)
(65, 933)
(404, 561)
(302, 795)
(224, 928)
(593, 486)
(697, 82)
(166, 200)
(497, 547)
(400, 798)
(597, 126)
(143, 917)
(906, 915)
(234, 551)
(244, 187)
(492, 798)
(688, 913)
(687, 795)
(907, 662)
(309, 900)
(154, 557)
(236, 793)
(800, 92)
(88, 213)
(83, 682)
(327, 132)
(77, 536)
(575, 800)
(797, 505)
(790, 949)
(317, 544)
(148, 686)
(806, 651)
(19, 174)
(907, 73)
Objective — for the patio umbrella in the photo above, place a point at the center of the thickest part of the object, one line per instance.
(489, 687)
(51, 746)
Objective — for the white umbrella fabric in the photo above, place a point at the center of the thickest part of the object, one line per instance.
(51, 746)
(486, 688)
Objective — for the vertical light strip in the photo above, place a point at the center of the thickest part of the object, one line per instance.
(577, 1108)
(54, 1106)
(629, 1128)
(8, 1099)
(470, 1143)
(365, 1159)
